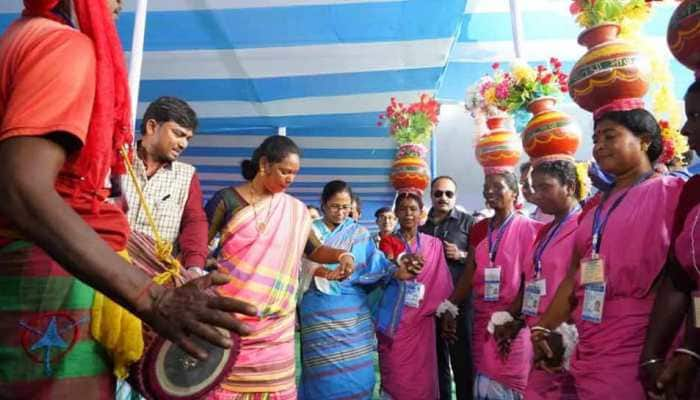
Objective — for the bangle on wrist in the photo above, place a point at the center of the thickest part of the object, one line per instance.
(346, 254)
(540, 329)
(398, 258)
(651, 361)
(695, 356)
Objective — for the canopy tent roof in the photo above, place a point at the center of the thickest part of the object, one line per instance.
(324, 69)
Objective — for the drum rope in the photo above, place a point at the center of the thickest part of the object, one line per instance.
(163, 247)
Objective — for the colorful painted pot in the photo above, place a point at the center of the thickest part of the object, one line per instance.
(550, 133)
(683, 34)
(611, 70)
(409, 173)
(500, 148)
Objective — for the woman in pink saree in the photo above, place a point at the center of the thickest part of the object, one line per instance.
(497, 254)
(665, 368)
(620, 248)
(406, 315)
(264, 233)
(557, 191)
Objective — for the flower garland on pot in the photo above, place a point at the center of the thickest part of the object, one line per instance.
(411, 126)
(488, 97)
(630, 16)
(497, 147)
(549, 134)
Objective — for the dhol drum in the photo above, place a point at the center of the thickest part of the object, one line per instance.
(166, 372)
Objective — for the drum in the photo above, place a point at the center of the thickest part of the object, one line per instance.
(166, 372)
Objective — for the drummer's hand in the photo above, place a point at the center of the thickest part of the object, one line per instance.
(179, 314)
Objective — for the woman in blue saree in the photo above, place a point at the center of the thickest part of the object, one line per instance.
(337, 332)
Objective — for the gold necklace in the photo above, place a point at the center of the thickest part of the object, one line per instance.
(260, 226)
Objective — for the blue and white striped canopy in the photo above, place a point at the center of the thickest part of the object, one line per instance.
(325, 69)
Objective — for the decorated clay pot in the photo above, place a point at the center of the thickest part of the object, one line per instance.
(409, 170)
(550, 133)
(611, 70)
(499, 148)
(683, 35)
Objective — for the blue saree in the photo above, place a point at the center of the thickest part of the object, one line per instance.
(337, 333)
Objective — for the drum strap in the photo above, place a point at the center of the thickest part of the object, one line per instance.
(164, 249)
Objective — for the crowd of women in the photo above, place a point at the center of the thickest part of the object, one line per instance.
(592, 305)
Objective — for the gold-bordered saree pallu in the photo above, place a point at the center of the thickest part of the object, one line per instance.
(264, 267)
(46, 348)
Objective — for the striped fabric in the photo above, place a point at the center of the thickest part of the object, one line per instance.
(46, 349)
(264, 270)
(325, 69)
(337, 333)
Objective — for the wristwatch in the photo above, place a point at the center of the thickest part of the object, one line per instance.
(462, 257)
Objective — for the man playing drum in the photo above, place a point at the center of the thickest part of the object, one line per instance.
(64, 113)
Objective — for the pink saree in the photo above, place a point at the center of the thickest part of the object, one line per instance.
(408, 361)
(513, 370)
(686, 233)
(635, 245)
(264, 269)
(555, 261)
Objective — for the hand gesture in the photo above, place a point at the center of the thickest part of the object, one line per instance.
(449, 327)
(189, 310)
(337, 274)
(544, 357)
(410, 265)
(346, 264)
(452, 252)
(505, 334)
(677, 379)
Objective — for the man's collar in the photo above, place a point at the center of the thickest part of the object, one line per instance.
(167, 164)
(451, 215)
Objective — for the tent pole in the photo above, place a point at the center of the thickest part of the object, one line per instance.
(433, 156)
(516, 22)
(136, 59)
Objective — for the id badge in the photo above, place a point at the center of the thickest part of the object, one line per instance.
(414, 294)
(696, 308)
(531, 299)
(542, 286)
(593, 302)
(592, 270)
(492, 283)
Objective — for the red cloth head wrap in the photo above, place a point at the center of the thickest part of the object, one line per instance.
(110, 123)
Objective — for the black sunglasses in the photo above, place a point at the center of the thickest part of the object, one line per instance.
(438, 193)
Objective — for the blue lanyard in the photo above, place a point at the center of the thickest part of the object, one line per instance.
(408, 246)
(600, 224)
(542, 245)
(493, 246)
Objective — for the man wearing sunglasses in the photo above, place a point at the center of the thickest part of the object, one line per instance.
(452, 226)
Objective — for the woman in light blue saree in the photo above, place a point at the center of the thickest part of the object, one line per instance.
(337, 332)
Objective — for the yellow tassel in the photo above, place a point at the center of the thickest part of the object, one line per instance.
(582, 180)
(119, 331)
